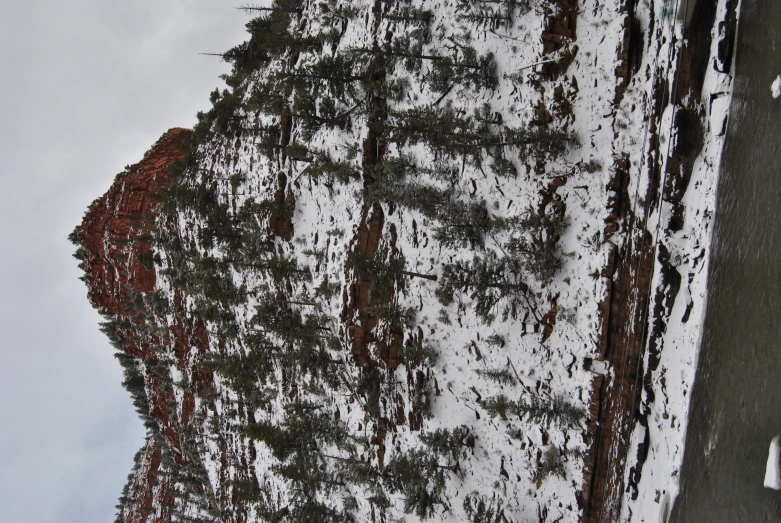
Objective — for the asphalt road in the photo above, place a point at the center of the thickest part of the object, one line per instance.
(736, 399)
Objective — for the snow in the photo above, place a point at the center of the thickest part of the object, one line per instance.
(773, 470)
(775, 89)
(718, 115)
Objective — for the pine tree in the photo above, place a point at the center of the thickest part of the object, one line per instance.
(420, 478)
(534, 244)
(502, 376)
(540, 142)
(546, 412)
(284, 6)
(339, 73)
(333, 12)
(313, 113)
(418, 353)
(393, 313)
(480, 509)
(303, 335)
(484, 16)
(307, 472)
(449, 443)
(426, 199)
(464, 224)
(267, 97)
(468, 69)
(497, 406)
(537, 410)
(489, 280)
(439, 127)
(411, 15)
(312, 511)
(407, 48)
(394, 170)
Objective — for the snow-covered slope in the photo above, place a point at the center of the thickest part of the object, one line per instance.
(395, 266)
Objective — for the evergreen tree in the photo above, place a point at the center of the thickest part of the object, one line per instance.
(535, 243)
(486, 16)
(480, 509)
(555, 411)
(327, 112)
(270, 37)
(332, 12)
(420, 478)
(284, 6)
(410, 15)
(502, 376)
(381, 270)
(488, 280)
(307, 472)
(339, 73)
(332, 171)
(537, 410)
(497, 406)
(449, 443)
(407, 48)
(464, 224)
(307, 338)
(468, 69)
(541, 142)
(393, 313)
(426, 199)
(309, 510)
(391, 171)
(304, 429)
(417, 353)
(439, 127)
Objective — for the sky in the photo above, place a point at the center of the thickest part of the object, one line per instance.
(87, 87)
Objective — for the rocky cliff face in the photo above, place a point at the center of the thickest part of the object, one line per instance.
(114, 230)
(144, 486)
(114, 240)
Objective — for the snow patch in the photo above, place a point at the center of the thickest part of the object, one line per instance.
(773, 470)
(775, 89)
(718, 115)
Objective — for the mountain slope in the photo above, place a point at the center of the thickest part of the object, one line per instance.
(390, 275)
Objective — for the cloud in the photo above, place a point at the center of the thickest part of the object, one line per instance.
(88, 87)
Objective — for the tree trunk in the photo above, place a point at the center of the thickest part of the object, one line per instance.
(307, 303)
(252, 8)
(343, 79)
(433, 58)
(419, 275)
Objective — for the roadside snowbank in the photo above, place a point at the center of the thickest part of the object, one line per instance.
(773, 470)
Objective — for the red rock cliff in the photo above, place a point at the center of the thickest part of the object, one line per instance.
(112, 237)
(112, 231)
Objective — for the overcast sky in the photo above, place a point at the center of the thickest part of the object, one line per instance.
(87, 87)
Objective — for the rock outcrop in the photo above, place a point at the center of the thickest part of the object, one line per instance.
(113, 240)
(112, 234)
